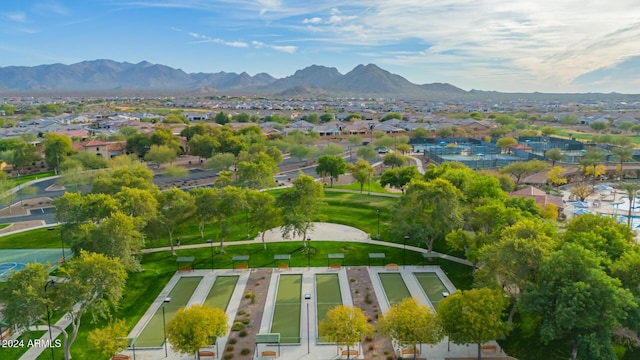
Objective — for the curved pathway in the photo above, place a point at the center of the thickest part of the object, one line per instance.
(323, 232)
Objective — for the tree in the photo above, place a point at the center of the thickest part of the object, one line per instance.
(139, 144)
(221, 118)
(399, 178)
(73, 175)
(507, 142)
(394, 159)
(554, 176)
(262, 212)
(93, 284)
(220, 162)
(420, 133)
(141, 204)
(598, 125)
(131, 175)
(519, 169)
(56, 149)
(622, 154)
(410, 323)
(404, 148)
(575, 300)
(427, 211)
(203, 145)
(110, 339)
(592, 158)
(345, 325)
(257, 172)
(161, 154)
(554, 155)
(632, 190)
(473, 316)
(301, 205)
(302, 152)
(361, 171)
(205, 202)
(228, 203)
(332, 166)
(174, 208)
(194, 327)
(512, 262)
(581, 190)
(390, 116)
(332, 149)
(367, 152)
(24, 154)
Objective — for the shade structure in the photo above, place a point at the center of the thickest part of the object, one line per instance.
(603, 187)
(579, 204)
(580, 211)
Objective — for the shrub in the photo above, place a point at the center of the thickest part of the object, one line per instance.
(232, 341)
(248, 295)
(242, 312)
(237, 326)
(228, 356)
(245, 351)
(246, 321)
(242, 333)
(367, 298)
(230, 348)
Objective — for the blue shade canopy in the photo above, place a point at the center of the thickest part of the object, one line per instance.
(579, 204)
(603, 187)
(581, 211)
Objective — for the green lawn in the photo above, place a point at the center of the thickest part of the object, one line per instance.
(375, 187)
(328, 296)
(221, 292)
(394, 287)
(32, 239)
(15, 352)
(432, 286)
(152, 335)
(26, 178)
(286, 313)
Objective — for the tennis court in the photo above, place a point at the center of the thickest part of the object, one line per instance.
(328, 296)
(286, 313)
(16, 259)
(432, 286)
(394, 287)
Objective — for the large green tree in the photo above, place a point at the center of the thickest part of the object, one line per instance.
(427, 211)
(523, 168)
(174, 208)
(301, 205)
(332, 166)
(473, 316)
(262, 212)
(361, 171)
(575, 300)
(56, 149)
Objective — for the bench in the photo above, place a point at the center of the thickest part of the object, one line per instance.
(121, 357)
(242, 267)
(268, 354)
(350, 352)
(335, 266)
(5, 335)
(185, 268)
(393, 267)
(283, 267)
(60, 261)
(206, 353)
(489, 348)
(410, 351)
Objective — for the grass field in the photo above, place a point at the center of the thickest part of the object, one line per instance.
(375, 187)
(432, 286)
(286, 313)
(152, 335)
(32, 239)
(15, 352)
(26, 178)
(394, 287)
(328, 296)
(221, 292)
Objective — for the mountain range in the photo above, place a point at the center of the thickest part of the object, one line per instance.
(112, 77)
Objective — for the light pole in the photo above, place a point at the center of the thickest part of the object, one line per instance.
(52, 283)
(307, 297)
(210, 241)
(378, 212)
(164, 326)
(308, 253)
(62, 246)
(404, 250)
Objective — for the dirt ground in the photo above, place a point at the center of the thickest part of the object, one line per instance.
(250, 311)
(20, 208)
(376, 347)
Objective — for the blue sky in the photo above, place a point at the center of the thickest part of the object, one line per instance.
(522, 45)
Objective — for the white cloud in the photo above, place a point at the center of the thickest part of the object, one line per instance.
(286, 49)
(313, 20)
(207, 39)
(17, 17)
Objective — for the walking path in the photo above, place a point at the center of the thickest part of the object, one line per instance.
(324, 232)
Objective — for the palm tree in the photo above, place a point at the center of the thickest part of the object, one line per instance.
(632, 190)
(593, 157)
(623, 154)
